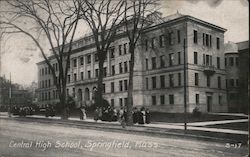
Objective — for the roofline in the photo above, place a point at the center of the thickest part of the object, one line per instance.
(187, 17)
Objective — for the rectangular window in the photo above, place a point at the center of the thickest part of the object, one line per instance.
(112, 87)
(125, 48)
(113, 70)
(210, 60)
(88, 59)
(146, 62)
(112, 52)
(179, 57)
(112, 102)
(210, 40)
(162, 61)
(120, 50)
(96, 73)
(146, 83)
(195, 37)
(232, 82)
(197, 98)
(154, 100)
(81, 60)
(125, 101)
(154, 82)
(225, 62)
(208, 81)
(120, 102)
(161, 42)
(178, 36)
(207, 60)
(220, 99)
(171, 80)
(237, 82)
(171, 99)
(195, 58)
(196, 79)
(219, 82)
(207, 40)
(162, 97)
(171, 59)
(218, 62)
(237, 61)
(89, 74)
(179, 79)
(103, 88)
(170, 38)
(82, 76)
(231, 61)
(204, 59)
(162, 80)
(153, 43)
(125, 67)
(75, 62)
(120, 68)
(218, 43)
(75, 77)
(120, 85)
(203, 37)
(146, 45)
(105, 71)
(68, 78)
(96, 58)
(125, 85)
(153, 62)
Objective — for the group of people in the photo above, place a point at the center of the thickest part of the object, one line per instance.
(141, 116)
(22, 110)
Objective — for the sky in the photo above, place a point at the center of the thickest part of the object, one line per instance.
(19, 54)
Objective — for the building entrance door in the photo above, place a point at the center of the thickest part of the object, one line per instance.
(209, 103)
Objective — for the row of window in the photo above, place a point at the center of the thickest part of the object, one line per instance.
(196, 80)
(123, 86)
(232, 61)
(206, 39)
(47, 71)
(163, 80)
(232, 82)
(123, 68)
(43, 96)
(169, 39)
(207, 60)
(122, 49)
(44, 83)
(163, 40)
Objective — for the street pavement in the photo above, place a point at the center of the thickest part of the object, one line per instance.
(178, 126)
(35, 139)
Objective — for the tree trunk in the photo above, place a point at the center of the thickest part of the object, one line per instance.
(99, 97)
(62, 96)
(130, 87)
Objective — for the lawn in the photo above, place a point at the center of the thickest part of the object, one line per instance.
(180, 117)
(235, 126)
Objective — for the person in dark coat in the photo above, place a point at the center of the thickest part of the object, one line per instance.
(135, 115)
(148, 116)
(140, 117)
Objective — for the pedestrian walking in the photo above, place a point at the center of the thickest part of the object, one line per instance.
(148, 116)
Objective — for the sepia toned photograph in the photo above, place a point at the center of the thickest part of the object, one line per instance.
(124, 78)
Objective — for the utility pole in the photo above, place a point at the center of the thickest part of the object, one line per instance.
(185, 86)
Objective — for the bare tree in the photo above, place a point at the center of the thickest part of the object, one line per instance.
(57, 21)
(135, 21)
(103, 18)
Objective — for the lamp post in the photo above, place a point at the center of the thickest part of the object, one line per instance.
(185, 86)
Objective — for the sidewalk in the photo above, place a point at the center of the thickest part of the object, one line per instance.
(178, 126)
